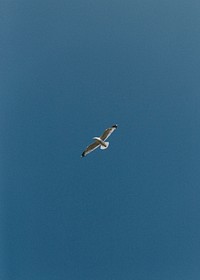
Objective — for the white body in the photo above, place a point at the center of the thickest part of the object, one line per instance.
(103, 144)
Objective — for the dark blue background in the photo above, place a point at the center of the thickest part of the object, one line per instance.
(70, 69)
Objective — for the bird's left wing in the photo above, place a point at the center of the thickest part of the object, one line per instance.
(90, 148)
(108, 132)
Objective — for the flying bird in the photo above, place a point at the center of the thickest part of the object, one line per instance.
(100, 141)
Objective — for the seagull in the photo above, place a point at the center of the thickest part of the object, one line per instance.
(100, 141)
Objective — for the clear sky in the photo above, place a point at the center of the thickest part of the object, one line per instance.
(70, 69)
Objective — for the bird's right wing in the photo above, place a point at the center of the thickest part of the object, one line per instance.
(108, 132)
(90, 148)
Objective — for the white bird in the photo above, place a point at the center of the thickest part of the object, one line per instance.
(100, 141)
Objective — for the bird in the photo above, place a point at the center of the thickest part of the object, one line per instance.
(100, 141)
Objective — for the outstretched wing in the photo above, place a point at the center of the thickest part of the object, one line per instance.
(108, 132)
(90, 148)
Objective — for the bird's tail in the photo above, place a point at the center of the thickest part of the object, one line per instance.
(104, 147)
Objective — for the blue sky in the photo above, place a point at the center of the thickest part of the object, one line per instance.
(70, 69)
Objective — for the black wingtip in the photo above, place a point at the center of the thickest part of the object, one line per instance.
(83, 154)
(115, 125)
